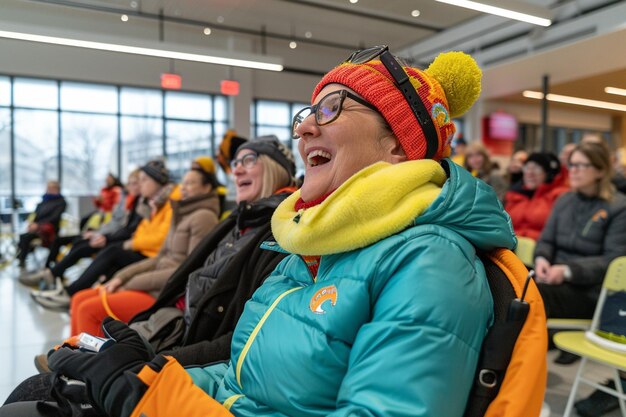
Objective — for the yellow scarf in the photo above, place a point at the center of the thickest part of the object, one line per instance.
(374, 203)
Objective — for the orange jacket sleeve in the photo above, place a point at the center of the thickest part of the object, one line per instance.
(171, 392)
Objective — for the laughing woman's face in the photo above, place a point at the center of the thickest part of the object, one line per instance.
(334, 152)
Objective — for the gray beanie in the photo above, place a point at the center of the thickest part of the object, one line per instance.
(156, 170)
(272, 147)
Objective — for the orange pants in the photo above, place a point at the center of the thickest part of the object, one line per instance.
(87, 310)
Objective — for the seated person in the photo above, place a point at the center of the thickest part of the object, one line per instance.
(145, 242)
(212, 297)
(514, 169)
(530, 202)
(135, 287)
(103, 203)
(121, 226)
(459, 146)
(228, 265)
(584, 233)
(109, 194)
(382, 305)
(207, 164)
(44, 224)
(479, 163)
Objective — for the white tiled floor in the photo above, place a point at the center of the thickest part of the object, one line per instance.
(27, 330)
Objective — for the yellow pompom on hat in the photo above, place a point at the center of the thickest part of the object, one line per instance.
(448, 88)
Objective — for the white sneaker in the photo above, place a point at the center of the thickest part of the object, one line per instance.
(31, 279)
(58, 301)
(56, 289)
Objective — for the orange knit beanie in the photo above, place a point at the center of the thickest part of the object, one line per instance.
(448, 88)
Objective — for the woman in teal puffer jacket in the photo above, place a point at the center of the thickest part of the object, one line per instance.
(383, 305)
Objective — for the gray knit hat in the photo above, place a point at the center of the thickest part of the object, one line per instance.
(274, 148)
(156, 170)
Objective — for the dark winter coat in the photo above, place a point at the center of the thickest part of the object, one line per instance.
(209, 333)
(585, 234)
(50, 211)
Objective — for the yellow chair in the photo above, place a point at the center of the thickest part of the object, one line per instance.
(578, 343)
(525, 250)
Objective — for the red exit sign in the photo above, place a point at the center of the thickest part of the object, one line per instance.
(229, 87)
(171, 81)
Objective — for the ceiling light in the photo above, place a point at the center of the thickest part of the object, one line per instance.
(308, 35)
(207, 31)
(511, 9)
(293, 45)
(614, 90)
(415, 13)
(155, 52)
(354, 1)
(124, 18)
(576, 100)
(133, 4)
(220, 19)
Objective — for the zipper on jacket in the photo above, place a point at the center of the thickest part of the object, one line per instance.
(255, 332)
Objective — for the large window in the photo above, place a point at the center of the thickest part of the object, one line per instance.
(89, 151)
(274, 118)
(88, 98)
(78, 132)
(5, 91)
(142, 140)
(36, 153)
(36, 94)
(186, 141)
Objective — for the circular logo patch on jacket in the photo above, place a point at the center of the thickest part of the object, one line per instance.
(321, 296)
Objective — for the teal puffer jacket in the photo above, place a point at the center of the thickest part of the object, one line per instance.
(391, 329)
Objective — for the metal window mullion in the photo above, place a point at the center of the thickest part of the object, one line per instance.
(163, 128)
(212, 123)
(59, 138)
(14, 215)
(119, 131)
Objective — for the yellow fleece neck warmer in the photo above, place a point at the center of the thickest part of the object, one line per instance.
(374, 203)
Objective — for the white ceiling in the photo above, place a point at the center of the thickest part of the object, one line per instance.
(587, 39)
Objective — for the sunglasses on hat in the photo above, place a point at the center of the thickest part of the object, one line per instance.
(403, 83)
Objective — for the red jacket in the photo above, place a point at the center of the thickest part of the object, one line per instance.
(108, 198)
(529, 214)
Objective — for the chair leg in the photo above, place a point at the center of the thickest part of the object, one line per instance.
(572, 394)
(618, 388)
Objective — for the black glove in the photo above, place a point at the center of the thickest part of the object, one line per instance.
(110, 390)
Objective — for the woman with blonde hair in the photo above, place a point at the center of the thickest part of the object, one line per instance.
(479, 163)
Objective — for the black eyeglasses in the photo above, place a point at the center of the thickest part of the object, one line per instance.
(327, 110)
(579, 165)
(247, 161)
(403, 83)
